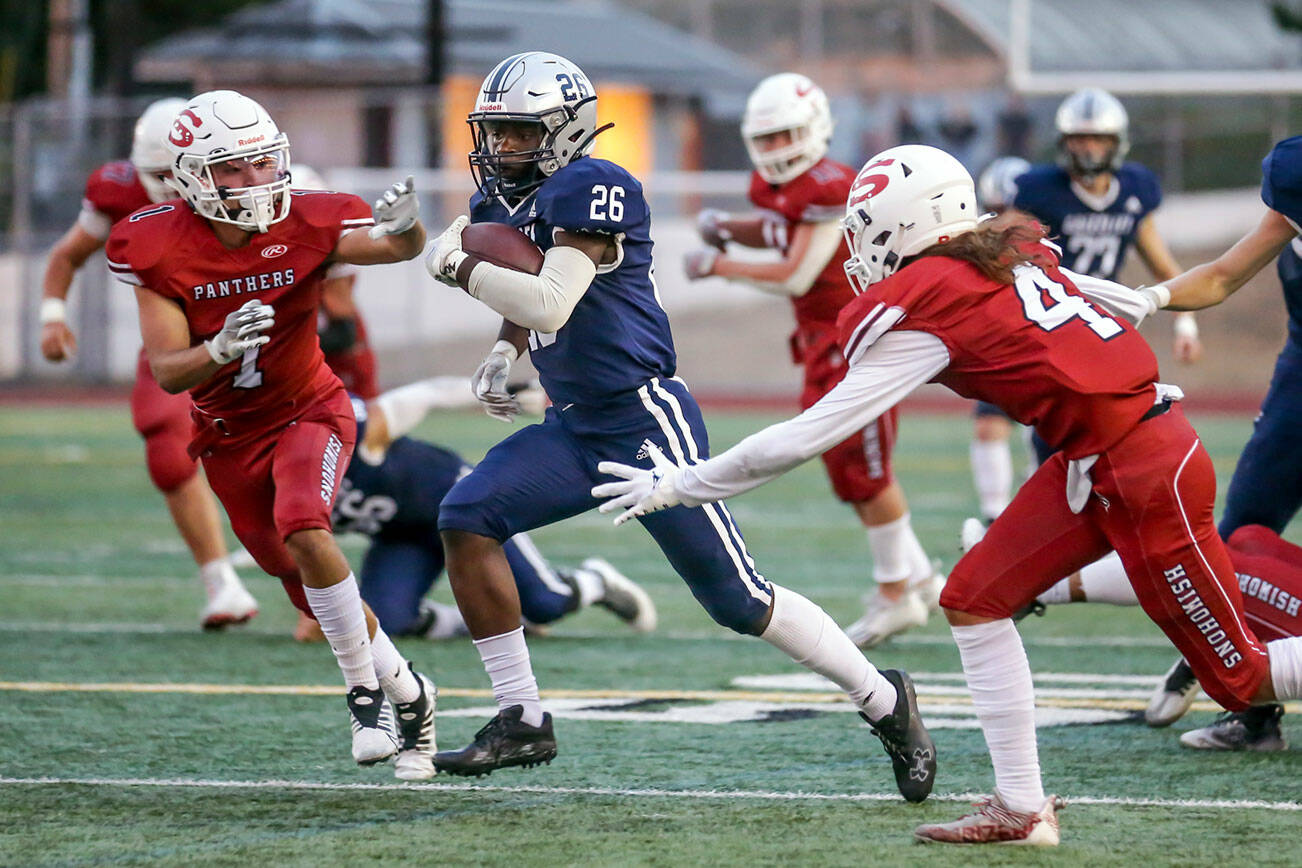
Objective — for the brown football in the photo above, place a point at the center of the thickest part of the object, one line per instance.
(502, 245)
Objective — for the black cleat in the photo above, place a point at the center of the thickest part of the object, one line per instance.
(1035, 607)
(907, 742)
(1255, 729)
(503, 741)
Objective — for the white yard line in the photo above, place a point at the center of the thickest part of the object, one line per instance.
(758, 795)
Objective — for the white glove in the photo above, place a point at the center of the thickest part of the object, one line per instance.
(445, 255)
(242, 332)
(642, 491)
(699, 263)
(396, 211)
(709, 225)
(489, 382)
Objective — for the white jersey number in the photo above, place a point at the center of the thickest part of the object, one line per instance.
(1033, 285)
(607, 203)
(1095, 254)
(249, 376)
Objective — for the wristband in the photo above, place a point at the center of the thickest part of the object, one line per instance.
(1158, 297)
(1186, 327)
(505, 348)
(52, 310)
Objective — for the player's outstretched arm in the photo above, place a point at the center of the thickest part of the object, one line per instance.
(1212, 282)
(811, 246)
(68, 255)
(763, 230)
(396, 236)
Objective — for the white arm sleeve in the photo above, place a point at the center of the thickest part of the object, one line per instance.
(822, 247)
(887, 371)
(542, 302)
(1116, 299)
(405, 406)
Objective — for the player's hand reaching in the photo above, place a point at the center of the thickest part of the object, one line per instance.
(58, 343)
(446, 255)
(396, 211)
(710, 226)
(640, 491)
(489, 382)
(699, 263)
(242, 332)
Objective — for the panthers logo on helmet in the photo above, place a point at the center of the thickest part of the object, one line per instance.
(182, 136)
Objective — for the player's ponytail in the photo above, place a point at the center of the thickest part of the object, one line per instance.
(996, 246)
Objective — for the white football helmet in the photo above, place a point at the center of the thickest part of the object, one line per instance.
(223, 126)
(904, 200)
(787, 101)
(997, 185)
(532, 87)
(1092, 111)
(149, 153)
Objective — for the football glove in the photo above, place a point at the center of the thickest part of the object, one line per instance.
(395, 211)
(709, 225)
(446, 255)
(242, 332)
(699, 263)
(489, 382)
(641, 491)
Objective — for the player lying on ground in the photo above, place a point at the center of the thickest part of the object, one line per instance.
(801, 195)
(228, 283)
(986, 310)
(113, 191)
(391, 493)
(601, 344)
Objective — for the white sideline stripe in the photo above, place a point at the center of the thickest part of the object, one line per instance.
(759, 795)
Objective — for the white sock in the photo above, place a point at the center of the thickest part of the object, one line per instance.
(1058, 594)
(338, 610)
(217, 575)
(1105, 581)
(896, 552)
(506, 660)
(810, 637)
(1286, 667)
(992, 475)
(391, 669)
(999, 676)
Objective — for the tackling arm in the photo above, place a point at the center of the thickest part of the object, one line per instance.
(359, 248)
(1157, 256)
(1212, 282)
(69, 254)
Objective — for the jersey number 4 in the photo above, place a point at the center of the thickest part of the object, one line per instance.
(1047, 304)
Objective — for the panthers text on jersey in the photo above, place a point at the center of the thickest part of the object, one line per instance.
(1094, 232)
(1037, 349)
(816, 196)
(618, 336)
(112, 192)
(397, 499)
(170, 250)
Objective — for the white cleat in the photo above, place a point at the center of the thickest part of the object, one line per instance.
(371, 717)
(230, 604)
(415, 722)
(623, 596)
(973, 531)
(928, 590)
(1173, 697)
(883, 618)
(440, 621)
(994, 823)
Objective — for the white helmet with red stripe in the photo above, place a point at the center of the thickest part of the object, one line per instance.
(786, 102)
(904, 200)
(222, 126)
(149, 153)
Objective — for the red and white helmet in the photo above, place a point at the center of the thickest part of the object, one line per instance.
(787, 101)
(149, 153)
(904, 200)
(217, 127)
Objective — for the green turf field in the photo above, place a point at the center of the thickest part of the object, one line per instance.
(130, 737)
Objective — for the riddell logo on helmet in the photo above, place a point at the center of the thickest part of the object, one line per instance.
(251, 141)
(489, 107)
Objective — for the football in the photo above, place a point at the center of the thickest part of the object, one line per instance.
(502, 245)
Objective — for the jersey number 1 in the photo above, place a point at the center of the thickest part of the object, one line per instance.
(249, 376)
(1033, 285)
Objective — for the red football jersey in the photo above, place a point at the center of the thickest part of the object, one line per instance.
(114, 191)
(816, 196)
(1038, 349)
(172, 251)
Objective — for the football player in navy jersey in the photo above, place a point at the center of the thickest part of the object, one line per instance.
(391, 493)
(600, 340)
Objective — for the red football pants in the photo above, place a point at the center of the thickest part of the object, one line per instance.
(279, 482)
(1151, 500)
(163, 420)
(1269, 570)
